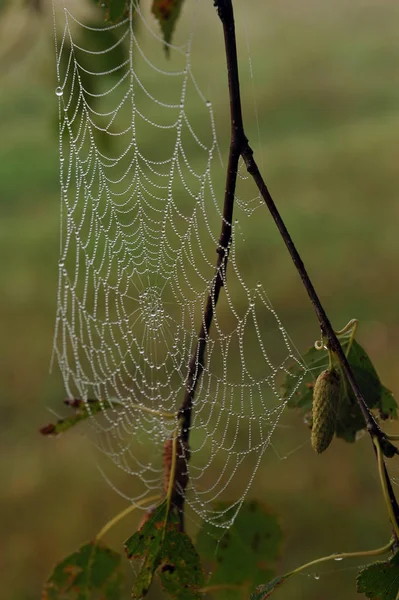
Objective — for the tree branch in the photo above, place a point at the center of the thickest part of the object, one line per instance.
(237, 140)
(225, 12)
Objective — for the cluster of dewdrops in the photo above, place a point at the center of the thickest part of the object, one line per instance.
(137, 351)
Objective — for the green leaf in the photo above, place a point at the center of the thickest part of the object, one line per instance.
(265, 590)
(167, 12)
(180, 572)
(380, 581)
(389, 408)
(91, 573)
(349, 419)
(83, 410)
(167, 551)
(246, 552)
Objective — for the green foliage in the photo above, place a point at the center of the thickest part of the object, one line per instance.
(167, 13)
(349, 418)
(93, 572)
(264, 591)
(167, 551)
(245, 554)
(380, 581)
(83, 410)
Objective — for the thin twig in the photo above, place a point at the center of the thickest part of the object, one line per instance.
(326, 327)
(239, 146)
(385, 487)
(225, 12)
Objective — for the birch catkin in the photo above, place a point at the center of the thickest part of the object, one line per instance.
(326, 394)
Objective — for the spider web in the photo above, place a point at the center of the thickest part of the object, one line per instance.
(142, 185)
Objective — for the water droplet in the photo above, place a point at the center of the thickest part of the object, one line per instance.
(209, 104)
(259, 285)
(59, 91)
(316, 576)
(338, 558)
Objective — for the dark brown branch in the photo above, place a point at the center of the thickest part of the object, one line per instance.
(326, 327)
(225, 11)
(237, 140)
(239, 147)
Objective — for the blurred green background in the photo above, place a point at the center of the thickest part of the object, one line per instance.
(326, 84)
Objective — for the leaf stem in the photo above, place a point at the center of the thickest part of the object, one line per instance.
(124, 513)
(341, 556)
(353, 324)
(384, 485)
(172, 474)
(330, 359)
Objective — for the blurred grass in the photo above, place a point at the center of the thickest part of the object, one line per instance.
(327, 94)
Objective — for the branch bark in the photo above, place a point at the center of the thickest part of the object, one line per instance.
(239, 146)
(237, 140)
(225, 12)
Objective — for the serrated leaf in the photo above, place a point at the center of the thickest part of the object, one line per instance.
(380, 581)
(246, 552)
(349, 418)
(167, 551)
(83, 410)
(265, 590)
(167, 13)
(91, 573)
(180, 572)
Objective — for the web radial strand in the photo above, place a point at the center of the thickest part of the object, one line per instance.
(141, 211)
